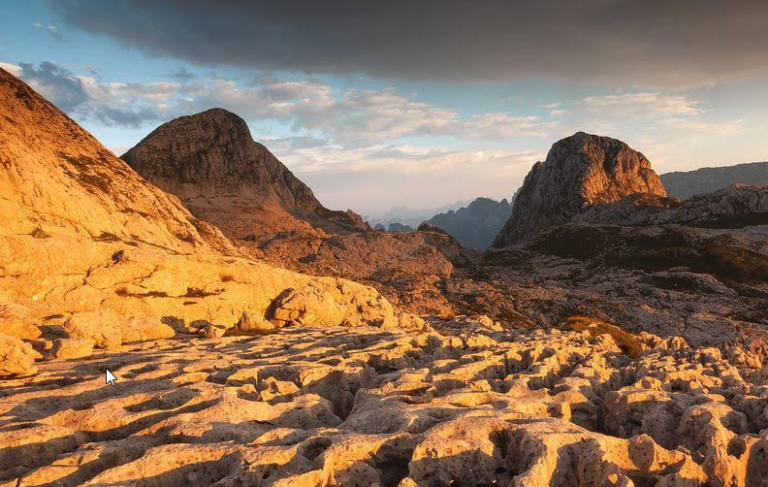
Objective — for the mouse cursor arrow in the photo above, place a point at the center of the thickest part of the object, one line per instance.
(111, 378)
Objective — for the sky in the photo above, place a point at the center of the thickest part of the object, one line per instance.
(399, 103)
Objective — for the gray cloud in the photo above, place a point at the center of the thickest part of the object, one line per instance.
(59, 85)
(86, 98)
(182, 75)
(656, 42)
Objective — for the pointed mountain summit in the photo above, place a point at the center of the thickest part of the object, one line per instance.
(211, 162)
(212, 154)
(579, 172)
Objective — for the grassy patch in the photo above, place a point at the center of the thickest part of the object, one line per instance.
(226, 277)
(194, 292)
(107, 237)
(628, 343)
(123, 292)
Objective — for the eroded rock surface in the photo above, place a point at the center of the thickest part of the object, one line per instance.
(469, 404)
(734, 207)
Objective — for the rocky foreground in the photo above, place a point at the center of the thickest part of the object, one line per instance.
(467, 404)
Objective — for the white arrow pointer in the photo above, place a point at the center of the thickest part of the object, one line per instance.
(111, 378)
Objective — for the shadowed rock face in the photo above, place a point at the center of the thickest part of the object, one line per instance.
(734, 207)
(579, 172)
(211, 162)
(212, 154)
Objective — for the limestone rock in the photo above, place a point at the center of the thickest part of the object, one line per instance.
(213, 154)
(323, 307)
(579, 172)
(16, 357)
(211, 162)
(735, 207)
(252, 323)
(16, 321)
(142, 329)
(101, 326)
(467, 404)
(81, 232)
(72, 348)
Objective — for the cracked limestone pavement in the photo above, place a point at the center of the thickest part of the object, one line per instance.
(468, 403)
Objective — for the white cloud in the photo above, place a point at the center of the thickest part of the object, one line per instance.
(640, 105)
(11, 68)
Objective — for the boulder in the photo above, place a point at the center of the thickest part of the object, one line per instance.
(101, 326)
(16, 321)
(143, 329)
(16, 357)
(254, 324)
(309, 306)
(72, 348)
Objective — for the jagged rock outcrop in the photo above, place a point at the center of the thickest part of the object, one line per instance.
(685, 184)
(734, 207)
(476, 225)
(90, 250)
(579, 172)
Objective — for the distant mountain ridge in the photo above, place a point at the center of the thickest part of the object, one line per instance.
(684, 184)
(476, 225)
(412, 217)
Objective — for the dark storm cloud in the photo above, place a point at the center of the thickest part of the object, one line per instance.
(124, 117)
(672, 42)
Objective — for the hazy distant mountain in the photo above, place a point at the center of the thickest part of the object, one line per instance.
(399, 227)
(476, 225)
(405, 215)
(709, 179)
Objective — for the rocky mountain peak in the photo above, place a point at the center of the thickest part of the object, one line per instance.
(212, 154)
(579, 172)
